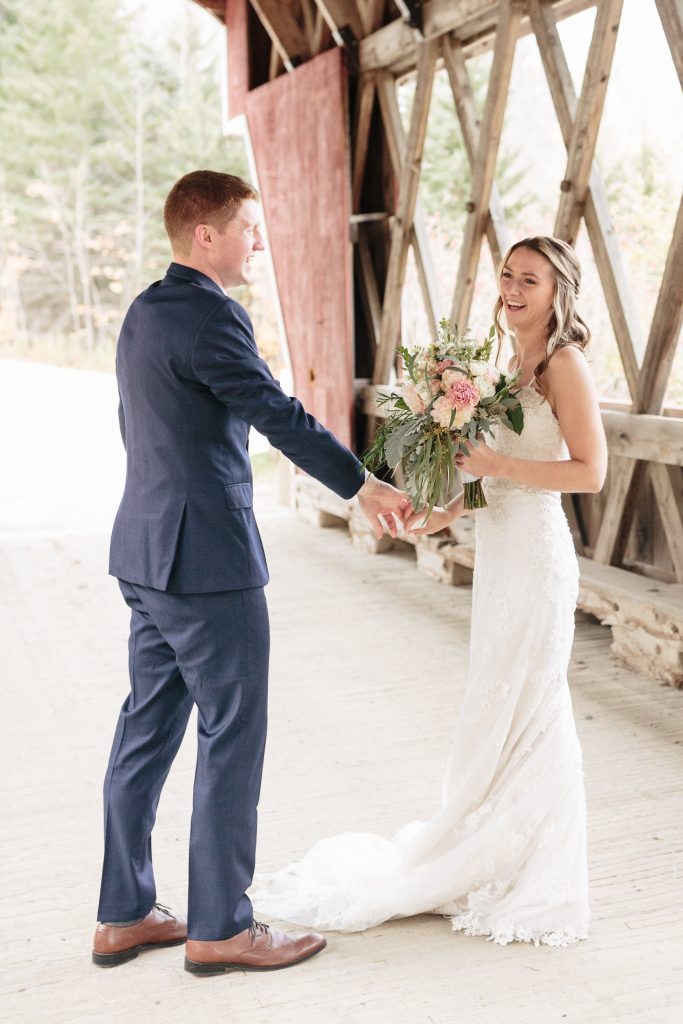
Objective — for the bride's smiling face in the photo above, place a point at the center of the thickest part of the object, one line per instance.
(527, 289)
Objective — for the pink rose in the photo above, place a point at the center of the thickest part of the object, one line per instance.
(462, 394)
(444, 364)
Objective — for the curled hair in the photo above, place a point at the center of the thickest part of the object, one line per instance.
(565, 326)
(202, 197)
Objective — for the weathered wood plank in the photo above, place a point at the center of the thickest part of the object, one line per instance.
(587, 120)
(487, 153)
(474, 22)
(651, 438)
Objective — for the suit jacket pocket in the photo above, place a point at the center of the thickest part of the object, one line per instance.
(239, 495)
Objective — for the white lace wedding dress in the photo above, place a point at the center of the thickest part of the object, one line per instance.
(505, 856)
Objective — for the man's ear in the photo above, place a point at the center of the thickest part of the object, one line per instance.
(203, 235)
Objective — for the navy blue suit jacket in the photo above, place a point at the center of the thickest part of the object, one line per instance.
(191, 382)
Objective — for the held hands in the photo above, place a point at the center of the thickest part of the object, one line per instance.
(439, 519)
(383, 504)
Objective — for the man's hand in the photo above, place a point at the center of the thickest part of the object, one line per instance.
(383, 504)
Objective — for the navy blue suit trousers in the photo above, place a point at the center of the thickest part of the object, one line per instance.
(210, 650)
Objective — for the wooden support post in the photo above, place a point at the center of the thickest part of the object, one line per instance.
(510, 13)
(403, 221)
(587, 120)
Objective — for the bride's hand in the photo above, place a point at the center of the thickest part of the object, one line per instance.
(439, 520)
(480, 459)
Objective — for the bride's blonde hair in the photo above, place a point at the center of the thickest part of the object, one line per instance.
(565, 326)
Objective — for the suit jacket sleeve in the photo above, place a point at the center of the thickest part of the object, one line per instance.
(225, 358)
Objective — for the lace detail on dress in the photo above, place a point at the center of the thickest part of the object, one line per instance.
(505, 855)
(507, 930)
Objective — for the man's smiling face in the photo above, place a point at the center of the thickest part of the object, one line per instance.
(232, 251)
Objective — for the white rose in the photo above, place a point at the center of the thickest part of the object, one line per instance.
(442, 411)
(424, 391)
(479, 368)
(484, 386)
(411, 397)
(462, 417)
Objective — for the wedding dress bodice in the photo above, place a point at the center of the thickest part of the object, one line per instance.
(541, 440)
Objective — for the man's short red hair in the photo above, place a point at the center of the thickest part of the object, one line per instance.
(203, 197)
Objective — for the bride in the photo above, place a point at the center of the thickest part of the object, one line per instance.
(505, 856)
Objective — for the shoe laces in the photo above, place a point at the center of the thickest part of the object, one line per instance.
(257, 928)
(163, 909)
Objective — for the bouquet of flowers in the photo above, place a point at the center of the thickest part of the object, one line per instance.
(451, 392)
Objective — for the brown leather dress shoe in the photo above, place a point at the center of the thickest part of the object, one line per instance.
(258, 948)
(114, 945)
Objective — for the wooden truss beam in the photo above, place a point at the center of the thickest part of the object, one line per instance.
(473, 22)
(454, 60)
(402, 225)
(371, 14)
(622, 309)
(587, 120)
(671, 15)
(419, 235)
(510, 13)
(665, 329)
(365, 101)
(340, 15)
(286, 34)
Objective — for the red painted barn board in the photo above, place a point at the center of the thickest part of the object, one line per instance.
(298, 129)
(236, 21)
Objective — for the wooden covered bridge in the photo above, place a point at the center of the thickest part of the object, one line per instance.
(360, 728)
(339, 176)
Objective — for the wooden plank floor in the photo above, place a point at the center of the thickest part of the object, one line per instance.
(368, 672)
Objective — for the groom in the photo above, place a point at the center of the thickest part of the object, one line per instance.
(188, 556)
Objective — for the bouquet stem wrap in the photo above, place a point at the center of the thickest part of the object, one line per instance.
(473, 491)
